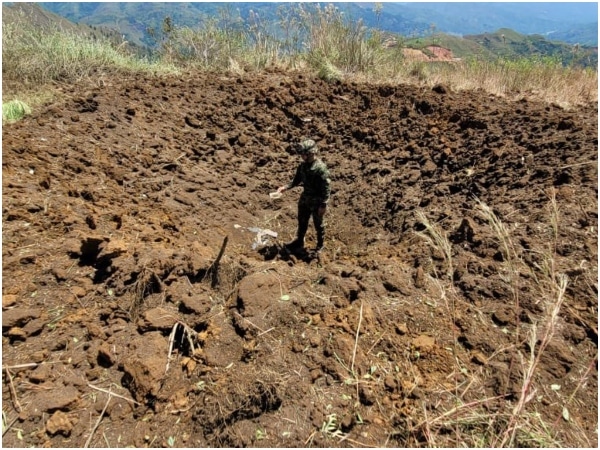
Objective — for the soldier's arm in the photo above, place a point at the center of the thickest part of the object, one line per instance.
(297, 178)
(295, 182)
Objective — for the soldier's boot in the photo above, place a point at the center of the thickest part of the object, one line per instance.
(319, 244)
(295, 244)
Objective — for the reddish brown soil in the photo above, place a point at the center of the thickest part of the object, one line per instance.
(117, 201)
(437, 54)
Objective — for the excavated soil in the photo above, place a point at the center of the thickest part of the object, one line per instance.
(147, 302)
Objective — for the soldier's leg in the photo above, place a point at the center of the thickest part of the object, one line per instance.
(303, 219)
(319, 222)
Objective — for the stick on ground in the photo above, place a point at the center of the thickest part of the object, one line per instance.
(214, 268)
(13, 392)
(113, 394)
(89, 439)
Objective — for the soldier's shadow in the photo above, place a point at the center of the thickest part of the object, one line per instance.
(271, 252)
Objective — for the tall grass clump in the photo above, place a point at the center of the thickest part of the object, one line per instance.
(221, 43)
(321, 37)
(209, 47)
(328, 36)
(437, 239)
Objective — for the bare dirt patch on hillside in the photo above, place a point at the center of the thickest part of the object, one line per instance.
(436, 53)
(122, 327)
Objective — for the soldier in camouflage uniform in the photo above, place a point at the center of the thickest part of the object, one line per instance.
(313, 175)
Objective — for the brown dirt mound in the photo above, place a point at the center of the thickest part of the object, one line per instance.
(121, 328)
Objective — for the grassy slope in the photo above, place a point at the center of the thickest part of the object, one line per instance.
(584, 34)
(31, 13)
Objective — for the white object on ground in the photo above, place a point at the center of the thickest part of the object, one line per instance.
(262, 236)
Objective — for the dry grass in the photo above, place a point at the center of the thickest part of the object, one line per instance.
(466, 415)
(567, 87)
(545, 81)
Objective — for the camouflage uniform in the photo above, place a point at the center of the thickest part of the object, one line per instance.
(314, 177)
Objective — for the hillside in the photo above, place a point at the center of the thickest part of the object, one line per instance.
(506, 43)
(586, 35)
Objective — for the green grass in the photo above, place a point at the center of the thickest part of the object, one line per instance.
(14, 110)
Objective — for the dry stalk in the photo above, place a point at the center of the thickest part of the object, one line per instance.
(214, 268)
(376, 342)
(171, 341)
(113, 394)
(89, 439)
(356, 338)
(354, 351)
(526, 392)
(106, 440)
(188, 333)
(139, 291)
(265, 332)
(457, 409)
(552, 286)
(583, 379)
(22, 366)
(9, 425)
(428, 433)
(510, 255)
(310, 438)
(346, 438)
(582, 321)
(581, 382)
(438, 240)
(239, 316)
(13, 392)
(578, 164)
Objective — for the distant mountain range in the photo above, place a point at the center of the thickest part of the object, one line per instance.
(570, 22)
(544, 18)
(131, 21)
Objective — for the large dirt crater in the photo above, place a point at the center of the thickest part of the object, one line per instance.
(124, 325)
